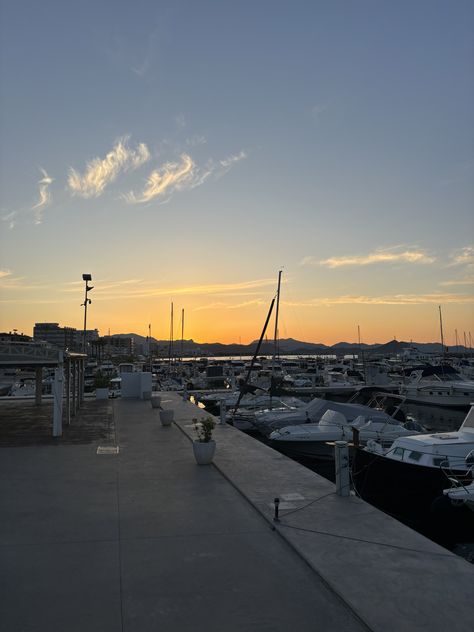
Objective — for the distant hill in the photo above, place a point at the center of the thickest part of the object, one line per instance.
(287, 346)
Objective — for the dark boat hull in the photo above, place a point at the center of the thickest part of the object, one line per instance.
(412, 494)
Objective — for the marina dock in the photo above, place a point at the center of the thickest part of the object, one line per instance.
(116, 528)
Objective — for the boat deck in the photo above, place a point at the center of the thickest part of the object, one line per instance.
(145, 539)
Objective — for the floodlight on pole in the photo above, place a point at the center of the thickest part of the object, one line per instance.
(86, 278)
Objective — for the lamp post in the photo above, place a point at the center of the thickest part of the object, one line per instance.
(86, 278)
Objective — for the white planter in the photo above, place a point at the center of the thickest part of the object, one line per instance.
(155, 401)
(102, 393)
(204, 452)
(166, 417)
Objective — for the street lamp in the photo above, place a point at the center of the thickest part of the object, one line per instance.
(86, 278)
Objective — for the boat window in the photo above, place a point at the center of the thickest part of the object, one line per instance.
(398, 452)
(438, 461)
(415, 456)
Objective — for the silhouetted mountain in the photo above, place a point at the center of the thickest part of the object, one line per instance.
(286, 346)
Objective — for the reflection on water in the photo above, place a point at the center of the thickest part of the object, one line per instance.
(436, 419)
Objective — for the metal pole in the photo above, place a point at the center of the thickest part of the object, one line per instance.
(85, 321)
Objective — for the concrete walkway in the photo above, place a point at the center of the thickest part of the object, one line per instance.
(147, 540)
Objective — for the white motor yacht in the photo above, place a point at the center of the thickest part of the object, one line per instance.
(408, 479)
(439, 386)
(314, 440)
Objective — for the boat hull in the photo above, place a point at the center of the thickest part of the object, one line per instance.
(412, 494)
(305, 449)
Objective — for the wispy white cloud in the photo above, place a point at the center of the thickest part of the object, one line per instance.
(221, 305)
(179, 176)
(465, 256)
(133, 288)
(44, 196)
(10, 282)
(395, 299)
(196, 140)
(180, 121)
(10, 218)
(230, 161)
(100, 172)
(163, 181)
(389, 255)
(465, 281)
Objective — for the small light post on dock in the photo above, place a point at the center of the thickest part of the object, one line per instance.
(86, 278)
(341, 454)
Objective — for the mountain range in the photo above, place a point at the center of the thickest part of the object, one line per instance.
(287, 346)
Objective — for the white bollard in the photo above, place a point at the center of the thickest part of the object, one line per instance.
(341, 453)
(223, 410)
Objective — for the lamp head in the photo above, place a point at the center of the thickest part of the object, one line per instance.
(87, 277)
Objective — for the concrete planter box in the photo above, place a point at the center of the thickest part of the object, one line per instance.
(166, 417)
(204, 451)
(102, 393)
(155, 401)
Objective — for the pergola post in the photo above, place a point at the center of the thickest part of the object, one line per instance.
(74, 389)
(39, 385)
(58, 401)
(68, 391)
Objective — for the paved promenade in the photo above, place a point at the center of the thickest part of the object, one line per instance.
(147, 540)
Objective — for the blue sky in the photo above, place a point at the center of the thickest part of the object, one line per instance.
(333, 139)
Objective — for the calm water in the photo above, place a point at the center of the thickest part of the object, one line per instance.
(436, 419)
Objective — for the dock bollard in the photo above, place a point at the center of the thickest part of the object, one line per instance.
(223, 410)
(341, 453)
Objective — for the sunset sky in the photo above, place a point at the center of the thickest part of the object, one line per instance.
(187, 150)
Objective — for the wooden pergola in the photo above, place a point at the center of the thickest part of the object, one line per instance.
(69, 369)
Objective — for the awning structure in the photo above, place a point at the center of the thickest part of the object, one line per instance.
(68, 368)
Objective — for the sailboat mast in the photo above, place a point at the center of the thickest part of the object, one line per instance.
(441, 328)
(170, 351)
(182, 332)
(149, 347)
(275, 336)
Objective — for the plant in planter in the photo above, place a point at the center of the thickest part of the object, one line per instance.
(204, 446)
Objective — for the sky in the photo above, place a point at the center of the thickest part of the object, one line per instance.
(186, 151)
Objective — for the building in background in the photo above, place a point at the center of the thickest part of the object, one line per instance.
(64, 337)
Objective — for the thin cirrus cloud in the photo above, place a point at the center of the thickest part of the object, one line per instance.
(163, 181)
(44, 196)
(395, 299)
(378, 256)
(464, 257)
(100, 172)
(178, 176)
(139, 289)
(465, 281)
